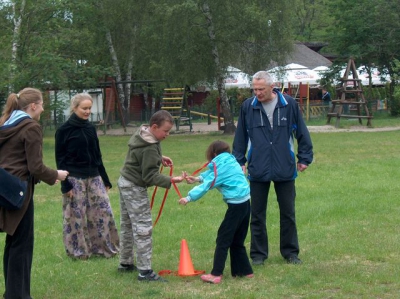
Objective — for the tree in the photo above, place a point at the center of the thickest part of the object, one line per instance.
(311, 19)
(369, 32)
(196, 40)
(17, 19)
(46, 50)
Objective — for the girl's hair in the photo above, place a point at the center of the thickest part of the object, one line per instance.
(160, 117)
(77, 100)
(216, 148)
(20, 101)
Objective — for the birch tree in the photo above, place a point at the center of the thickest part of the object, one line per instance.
(17, 20)
(219, 71)
(120, 21)
(196, 40)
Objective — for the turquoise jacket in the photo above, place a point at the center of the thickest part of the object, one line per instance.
(230, 180)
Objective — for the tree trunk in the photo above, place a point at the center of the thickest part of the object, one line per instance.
(128, 86)
(228, 117)
(15, 42)
(118, 77)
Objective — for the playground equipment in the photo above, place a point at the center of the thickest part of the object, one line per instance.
(351, 95)
(174, 100)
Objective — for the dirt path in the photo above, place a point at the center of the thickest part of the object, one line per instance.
(198, 128)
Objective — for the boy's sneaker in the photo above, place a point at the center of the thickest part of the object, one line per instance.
(126, 268)
(150, 275)
(211, 278)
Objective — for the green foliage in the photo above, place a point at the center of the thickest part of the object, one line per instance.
(235, 95)
(395, 107)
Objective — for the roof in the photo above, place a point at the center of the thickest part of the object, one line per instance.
(303, 55)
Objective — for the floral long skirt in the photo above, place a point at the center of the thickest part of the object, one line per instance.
(88, 222)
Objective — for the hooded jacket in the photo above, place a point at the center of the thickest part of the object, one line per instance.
(143, 160)
(227, 179)
(21, 155)
(271, 152)
(77, 150)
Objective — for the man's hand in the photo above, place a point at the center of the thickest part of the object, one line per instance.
(301, 167)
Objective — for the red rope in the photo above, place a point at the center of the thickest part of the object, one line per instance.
(176, 188)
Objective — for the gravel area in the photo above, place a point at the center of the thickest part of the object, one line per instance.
(198, 128)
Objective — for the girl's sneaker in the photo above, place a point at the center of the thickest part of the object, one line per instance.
(211, 278)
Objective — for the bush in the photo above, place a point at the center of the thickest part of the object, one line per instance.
(236, 97)
(395, 105)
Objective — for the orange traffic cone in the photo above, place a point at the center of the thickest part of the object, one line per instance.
(185, 264)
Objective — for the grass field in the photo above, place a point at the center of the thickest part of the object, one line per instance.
(347, 214)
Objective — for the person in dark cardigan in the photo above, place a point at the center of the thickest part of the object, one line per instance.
(21, 155)
(89, 227)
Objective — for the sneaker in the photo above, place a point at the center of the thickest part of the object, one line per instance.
(150, 275)
(211, 278)
(126, 268)
(294, 260)
(258, 262)
(251, 275)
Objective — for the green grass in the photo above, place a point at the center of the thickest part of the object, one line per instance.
(380, 119)
(347, 216)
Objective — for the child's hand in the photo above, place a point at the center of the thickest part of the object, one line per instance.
(183, 201)
(191, 179)
(178, 179)
(166, 161)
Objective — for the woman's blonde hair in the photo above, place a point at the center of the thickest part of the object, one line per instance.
(77, 99)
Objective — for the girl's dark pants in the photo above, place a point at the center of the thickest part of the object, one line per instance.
(17, 259)
(231, 235)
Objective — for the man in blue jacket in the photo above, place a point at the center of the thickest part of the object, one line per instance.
(267, 126)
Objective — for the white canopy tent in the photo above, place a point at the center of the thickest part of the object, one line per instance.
(236, 78)
(361, 73)
(294, 74)
(375, 74)
(364, 76)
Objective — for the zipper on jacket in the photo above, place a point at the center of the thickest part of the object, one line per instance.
(279, 117)
(87, 150)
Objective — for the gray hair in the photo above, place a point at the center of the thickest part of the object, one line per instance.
(263, 75)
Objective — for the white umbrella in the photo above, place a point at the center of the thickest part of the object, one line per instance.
(236, 78)
(321, 68)
(375, 74)
(364, 77)
(294, 74)
(295, 66)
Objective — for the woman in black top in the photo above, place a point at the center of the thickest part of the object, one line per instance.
(88, 224)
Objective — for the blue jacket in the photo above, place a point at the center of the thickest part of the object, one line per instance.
(231, 181)
(271, 152)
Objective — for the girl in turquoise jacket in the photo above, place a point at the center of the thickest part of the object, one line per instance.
(225, 174)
